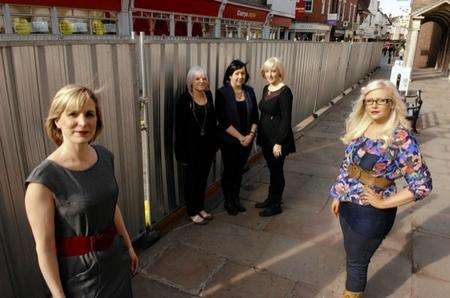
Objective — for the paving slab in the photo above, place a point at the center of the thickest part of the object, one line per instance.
(238, 243)
(144, 287)
(424, 286)
(238, 281)
(184, 267)
(249, 219)
(297, 260)
(389, 275)
(431, 255)
(321, 228)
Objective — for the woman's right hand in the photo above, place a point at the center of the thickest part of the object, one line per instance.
(335, 207)
(247, 140)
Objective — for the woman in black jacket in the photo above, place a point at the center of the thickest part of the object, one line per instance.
(275, 136)
(195, 141)
(237, 115)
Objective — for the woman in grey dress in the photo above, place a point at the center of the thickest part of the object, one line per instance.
(82, 244)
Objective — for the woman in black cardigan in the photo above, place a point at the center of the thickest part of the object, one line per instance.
(275, 132)
(237, 115)
(195, 141)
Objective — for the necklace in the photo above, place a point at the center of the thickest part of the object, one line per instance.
(203, 125)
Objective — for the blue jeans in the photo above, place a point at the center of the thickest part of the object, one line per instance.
(359, 251)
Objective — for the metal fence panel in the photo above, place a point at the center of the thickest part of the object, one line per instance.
(30, 74)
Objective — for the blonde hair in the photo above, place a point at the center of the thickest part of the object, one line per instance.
(273, 62)
(71, 97)
(358, 121)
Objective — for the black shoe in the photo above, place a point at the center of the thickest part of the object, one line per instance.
(230, 208)
(239, 206)
(270, 211)
(263, 204)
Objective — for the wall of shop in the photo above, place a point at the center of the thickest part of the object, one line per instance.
(30, 74)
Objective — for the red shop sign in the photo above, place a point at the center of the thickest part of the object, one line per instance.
(279, 21)
(244, 13)
(299, 8)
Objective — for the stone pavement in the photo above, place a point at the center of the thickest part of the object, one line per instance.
(299, 253)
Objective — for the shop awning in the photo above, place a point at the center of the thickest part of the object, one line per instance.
(279, 21)
(246, 13)
(113, 5)
(195, 7)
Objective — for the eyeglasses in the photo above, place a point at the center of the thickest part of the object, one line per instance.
(378, 101)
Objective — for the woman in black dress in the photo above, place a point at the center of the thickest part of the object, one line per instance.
(195, 141)
(275, 136)
(82, 244)
(237, 115)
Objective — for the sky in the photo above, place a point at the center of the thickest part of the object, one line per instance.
(395, 7)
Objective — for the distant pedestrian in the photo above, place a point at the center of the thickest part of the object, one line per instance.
(275, 132)
(195, 141)
(237, 115)
(384, 51)
(82, 244)
(401, 52)
(390, 53)
(380, 149)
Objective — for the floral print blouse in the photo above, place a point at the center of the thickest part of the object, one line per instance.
(400, 158)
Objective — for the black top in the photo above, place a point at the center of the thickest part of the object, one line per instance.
(228, 114)
(242, 111)
(192, 131)
(275, 125)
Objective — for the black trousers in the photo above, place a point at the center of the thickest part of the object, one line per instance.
(277, 183)
(234, 159)
(195, 175)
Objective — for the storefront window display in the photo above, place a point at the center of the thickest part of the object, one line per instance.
(30, 20)
(229, 29)
(80, 21)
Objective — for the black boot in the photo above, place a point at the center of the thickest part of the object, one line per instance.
(230, 206)
(263, 204)
(272, 209)
(238, 204)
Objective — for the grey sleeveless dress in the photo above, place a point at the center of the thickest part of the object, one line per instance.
(84, 205)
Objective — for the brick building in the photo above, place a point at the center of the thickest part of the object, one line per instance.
(198, 18)
(325, 19)
(428, 43)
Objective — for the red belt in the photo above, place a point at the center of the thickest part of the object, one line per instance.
(80, 245)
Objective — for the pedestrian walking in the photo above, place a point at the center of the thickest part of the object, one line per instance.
(390, 53)
(237, 115)
(82, 244)
(380, 149)
(275, 135)
(195, 141)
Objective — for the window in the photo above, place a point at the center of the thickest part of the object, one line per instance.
(80, 21)
(308, 5)
(30, 19)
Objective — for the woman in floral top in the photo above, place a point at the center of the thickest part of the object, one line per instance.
(380, 149)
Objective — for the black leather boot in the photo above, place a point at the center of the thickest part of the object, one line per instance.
(263, 204)
(230, 206)
(271, 210)
(238, 204)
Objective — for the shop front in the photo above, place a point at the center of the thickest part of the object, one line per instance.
(310, 32)
(60, 17)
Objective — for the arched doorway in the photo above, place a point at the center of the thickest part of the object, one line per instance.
(430, 43)
(430, 48)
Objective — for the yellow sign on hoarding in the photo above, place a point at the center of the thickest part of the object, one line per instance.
(98, 27)
(65, 27)
(22, 26)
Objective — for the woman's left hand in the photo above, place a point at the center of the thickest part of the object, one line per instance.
(373, 198)
(134, 260)
(277, 150)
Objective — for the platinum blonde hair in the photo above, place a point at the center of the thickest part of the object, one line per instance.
(193, 71)
(273, 62)
(358, 121)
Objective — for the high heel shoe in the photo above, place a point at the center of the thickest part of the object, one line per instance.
(205, 215)
(198, 220)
